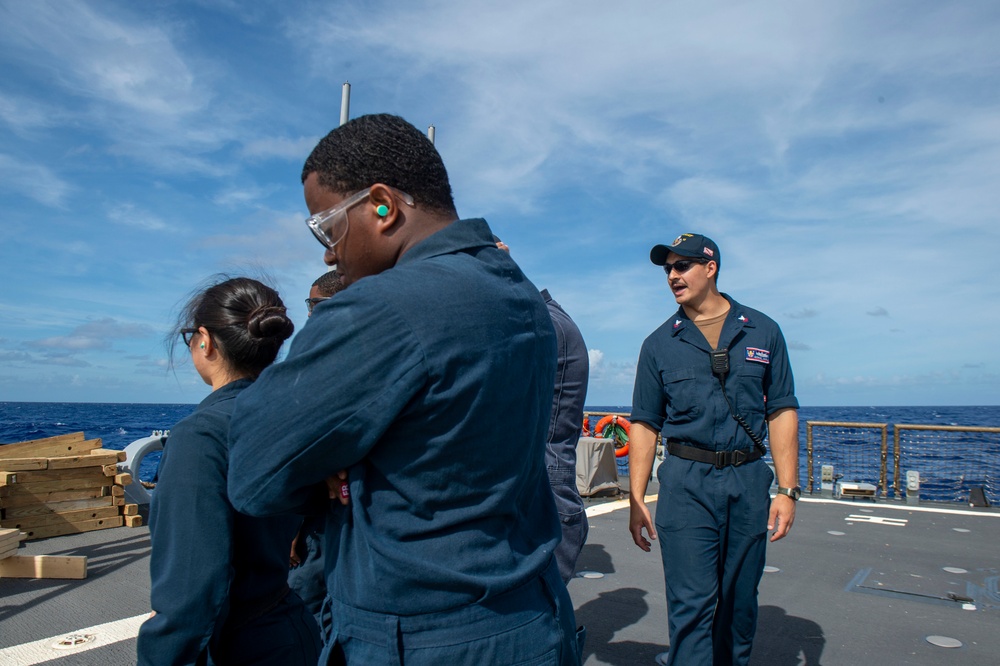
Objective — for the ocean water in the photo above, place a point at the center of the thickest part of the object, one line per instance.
(948, 465)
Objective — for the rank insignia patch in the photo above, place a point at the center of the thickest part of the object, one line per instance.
(758, 355)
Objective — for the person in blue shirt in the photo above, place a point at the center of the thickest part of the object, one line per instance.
(572, 376)
(712, 381)
(444, 554)
(307, 576)
(219, 588)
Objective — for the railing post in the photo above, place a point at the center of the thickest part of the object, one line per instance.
(809, 457)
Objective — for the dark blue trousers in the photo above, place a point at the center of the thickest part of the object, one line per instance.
(286, 635)
(308, 580)
(572, 519)
(712, 528)
(531, 625)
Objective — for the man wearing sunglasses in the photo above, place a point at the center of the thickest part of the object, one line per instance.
(444, 554)
(713, 381)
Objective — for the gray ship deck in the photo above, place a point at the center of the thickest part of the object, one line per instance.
(856, 582)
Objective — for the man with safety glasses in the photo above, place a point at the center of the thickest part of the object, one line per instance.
(713, 380)
(444, 553)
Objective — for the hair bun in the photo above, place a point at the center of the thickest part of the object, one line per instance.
(270, 322)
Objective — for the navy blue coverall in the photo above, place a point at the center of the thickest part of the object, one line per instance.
(572, 374)
(407, 379)
(712, 522)
(218, 578)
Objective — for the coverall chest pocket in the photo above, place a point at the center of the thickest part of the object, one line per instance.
(751, 387)
(685, 395)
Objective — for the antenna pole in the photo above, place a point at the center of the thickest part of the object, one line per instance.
(430, 133)
(345, 103)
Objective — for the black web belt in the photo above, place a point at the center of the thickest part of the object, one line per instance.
(718, 458)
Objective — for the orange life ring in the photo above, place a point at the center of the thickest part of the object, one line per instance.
(586, 426)
(621, 441)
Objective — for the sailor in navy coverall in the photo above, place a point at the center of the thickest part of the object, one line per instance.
(444, 555)
(572, 374)
(714, 508)
(219, 578)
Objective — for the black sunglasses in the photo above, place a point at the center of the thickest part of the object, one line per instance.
(682, 266)
(311, 302)
(187, 334)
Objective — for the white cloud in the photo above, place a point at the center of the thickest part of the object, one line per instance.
(35, 181)
(129, 215)
(99, 334)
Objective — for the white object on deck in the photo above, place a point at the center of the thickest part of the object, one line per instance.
(135, 493)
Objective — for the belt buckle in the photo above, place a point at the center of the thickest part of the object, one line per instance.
(739, 457)
(720, 459)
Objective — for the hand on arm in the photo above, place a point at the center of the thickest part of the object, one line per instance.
(339, 488)
(642, 451)
(783, 426)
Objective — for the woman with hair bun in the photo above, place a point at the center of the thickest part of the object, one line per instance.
(219, 588)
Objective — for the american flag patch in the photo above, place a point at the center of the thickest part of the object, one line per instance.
(758, 355)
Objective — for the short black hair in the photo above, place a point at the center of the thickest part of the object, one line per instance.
(328, 284)
(382, 148)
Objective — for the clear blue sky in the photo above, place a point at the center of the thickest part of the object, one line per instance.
(844, 155)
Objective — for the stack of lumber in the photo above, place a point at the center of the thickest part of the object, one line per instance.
(63, 485)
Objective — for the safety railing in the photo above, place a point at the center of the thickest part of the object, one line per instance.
(950, 461)
(929, 462)
(858, 451)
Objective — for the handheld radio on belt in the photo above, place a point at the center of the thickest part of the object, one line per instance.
(720, 368)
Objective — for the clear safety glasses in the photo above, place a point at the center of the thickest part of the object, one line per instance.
(330, 226)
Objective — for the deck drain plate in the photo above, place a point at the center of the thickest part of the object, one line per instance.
(770, 569)
(944, 641)
(590, 574)
(955, 570)
(71, 641)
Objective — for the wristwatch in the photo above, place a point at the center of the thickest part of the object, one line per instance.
(794, 493)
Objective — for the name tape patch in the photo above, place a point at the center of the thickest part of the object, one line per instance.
(758, 355)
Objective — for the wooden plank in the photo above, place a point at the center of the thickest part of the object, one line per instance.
(73, 528)
(130, 510)
(20, 464)
(117, 491)
(58, 507)
(120, 456)
(123, 479)
(44, 566)
(81, 481)
(61, 445)
(10, 551)
(16, 449)
(35, 476)
(96, 458)
(9, 537)
(110, 470)
(46, 497)
(26, 523)
(133, 521)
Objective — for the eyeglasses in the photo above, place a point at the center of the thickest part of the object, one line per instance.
(311, 302)
(682, 266)
(187, 334)
(330, 226)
